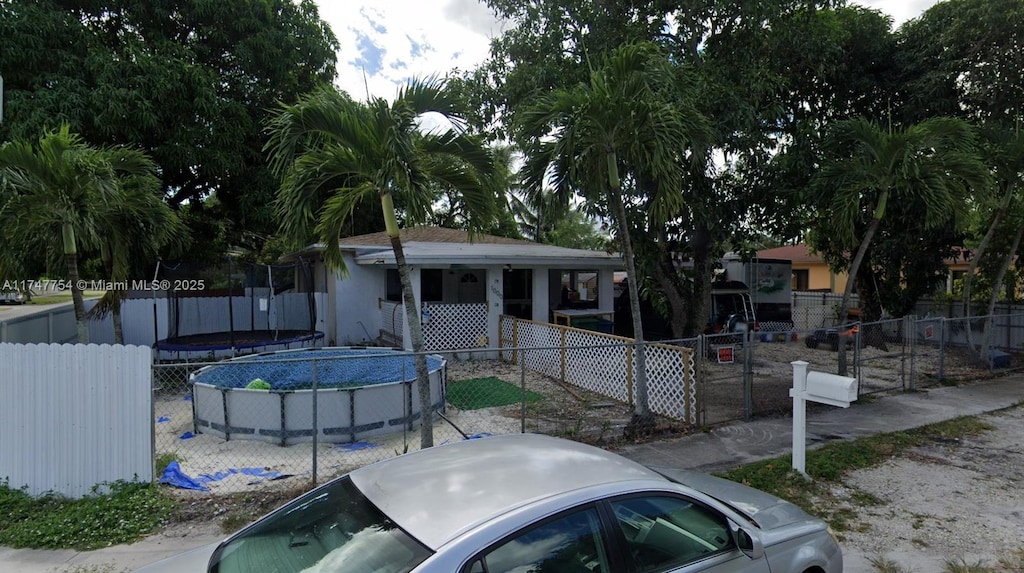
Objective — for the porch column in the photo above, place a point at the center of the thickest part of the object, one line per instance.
(541, 295)
(414, 276)
(606, 289)
(495, 305)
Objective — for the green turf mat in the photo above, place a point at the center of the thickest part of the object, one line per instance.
(485, 393)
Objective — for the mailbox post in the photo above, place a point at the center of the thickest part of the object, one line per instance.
(815, 387)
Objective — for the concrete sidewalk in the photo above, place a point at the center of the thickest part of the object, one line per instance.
(719, 449)
(737, 444)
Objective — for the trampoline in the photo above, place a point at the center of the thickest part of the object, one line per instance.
(220, 344)
(230, 309)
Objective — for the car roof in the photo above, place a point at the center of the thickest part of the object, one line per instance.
(439, 493)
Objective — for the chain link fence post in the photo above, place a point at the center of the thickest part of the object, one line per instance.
(942, 348)
(316, 426)
(522, 387)
(748, 375)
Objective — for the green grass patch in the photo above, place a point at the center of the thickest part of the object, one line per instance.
(127, 513)
(64, 296)
(830, 462)
(487, 392)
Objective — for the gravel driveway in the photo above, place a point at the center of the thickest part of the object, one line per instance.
(962, 500)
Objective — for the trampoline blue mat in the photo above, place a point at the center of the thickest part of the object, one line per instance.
(334, 369)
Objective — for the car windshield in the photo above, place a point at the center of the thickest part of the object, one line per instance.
(334, 528)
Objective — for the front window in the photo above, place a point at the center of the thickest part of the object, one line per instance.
(334, 528)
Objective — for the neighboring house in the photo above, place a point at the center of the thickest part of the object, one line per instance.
(811, 273)
(463, 285)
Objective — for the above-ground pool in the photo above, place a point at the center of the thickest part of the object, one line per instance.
(361, 392)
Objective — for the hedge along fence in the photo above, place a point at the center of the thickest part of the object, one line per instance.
(604, 364)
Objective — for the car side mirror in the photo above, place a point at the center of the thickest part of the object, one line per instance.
(747, 542)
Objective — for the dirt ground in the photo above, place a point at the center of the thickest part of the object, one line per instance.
(962, 500)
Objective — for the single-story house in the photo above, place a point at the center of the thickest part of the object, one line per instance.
(463, 285)
(811, 273)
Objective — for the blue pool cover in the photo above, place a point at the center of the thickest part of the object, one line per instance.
(339, 368)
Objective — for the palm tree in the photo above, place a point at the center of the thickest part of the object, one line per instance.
(136, 228)
(1005, 153)
(56, 191)
(335, 153)
(935, 161)
(622, 122)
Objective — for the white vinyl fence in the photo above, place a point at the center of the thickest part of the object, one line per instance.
(54, 324)
(75, 416)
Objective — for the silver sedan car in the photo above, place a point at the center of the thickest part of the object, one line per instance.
(523, 504)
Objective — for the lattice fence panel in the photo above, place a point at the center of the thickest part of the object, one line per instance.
(528, 334)
(600, 369)
(602, 363)
(455, 326)
(670, 382)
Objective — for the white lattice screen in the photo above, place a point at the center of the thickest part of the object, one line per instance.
(455, 326)
(604, 364)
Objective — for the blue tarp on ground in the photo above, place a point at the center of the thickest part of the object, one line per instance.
(174, 476)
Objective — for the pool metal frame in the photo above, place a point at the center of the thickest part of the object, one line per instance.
(242, 413)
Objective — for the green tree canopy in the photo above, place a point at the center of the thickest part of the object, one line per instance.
(187, 81)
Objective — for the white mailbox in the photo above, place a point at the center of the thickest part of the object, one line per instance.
(831, 389)
(816, 387)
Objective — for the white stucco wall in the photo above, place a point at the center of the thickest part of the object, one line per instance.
(356, 310)
(541, 294)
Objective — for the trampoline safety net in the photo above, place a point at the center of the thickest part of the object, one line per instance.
(236, 302)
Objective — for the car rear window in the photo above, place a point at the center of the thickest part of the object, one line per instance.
(334, 528)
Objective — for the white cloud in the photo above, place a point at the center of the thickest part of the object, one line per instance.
(414, 38)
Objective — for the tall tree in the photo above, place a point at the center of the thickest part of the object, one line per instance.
(591, 138)
(60, 189)
(868, 166)
(335, 153)
(190, 82)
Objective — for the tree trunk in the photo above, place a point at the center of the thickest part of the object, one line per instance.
(643, 421)
(997, 285)
(851, 274)
(700, 311)
(415, 324)
(665, 275)
(71, 261)
(115, 317)
(997, 218)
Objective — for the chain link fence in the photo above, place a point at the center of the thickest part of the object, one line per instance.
(310, 415)
(238, 424)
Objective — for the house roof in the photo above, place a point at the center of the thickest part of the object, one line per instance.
(799, 253)
(445, 248)
(429, 235)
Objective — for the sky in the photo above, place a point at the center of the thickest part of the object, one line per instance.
(385, 42)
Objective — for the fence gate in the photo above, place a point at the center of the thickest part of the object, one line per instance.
(725, 377)
(881, 352)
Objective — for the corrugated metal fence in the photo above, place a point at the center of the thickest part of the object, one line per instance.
(75, 416)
